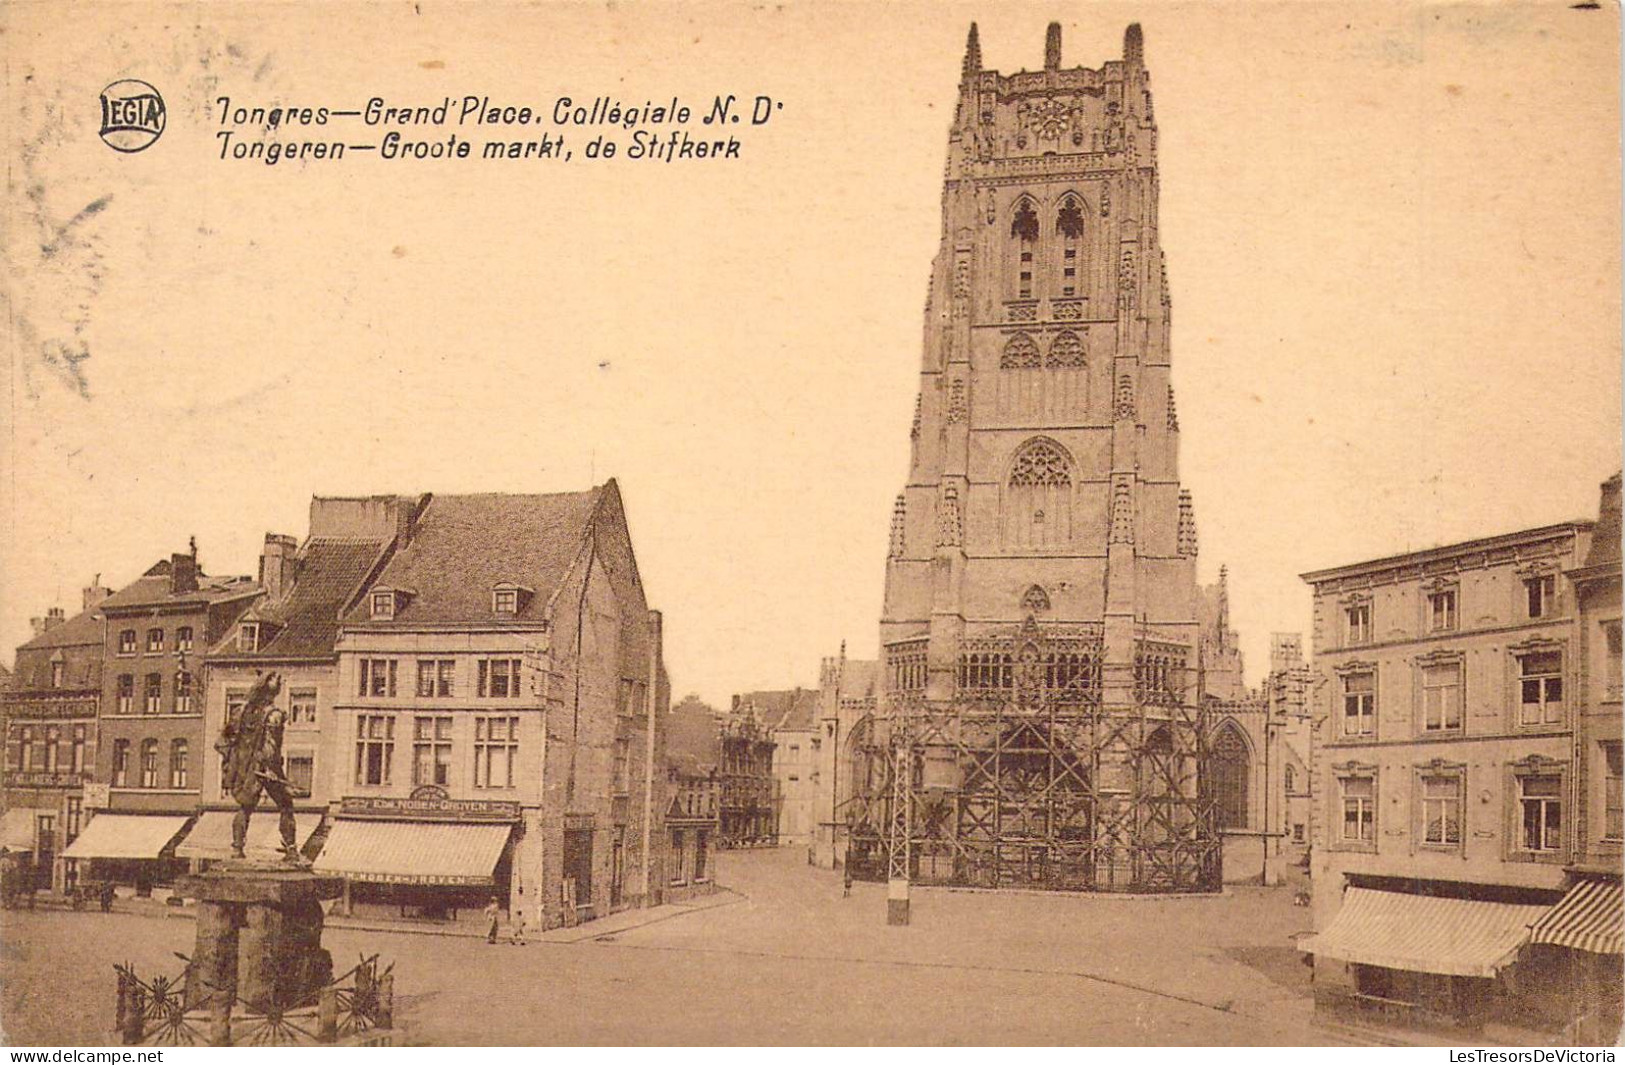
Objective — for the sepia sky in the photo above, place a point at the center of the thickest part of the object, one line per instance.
(1392, 234)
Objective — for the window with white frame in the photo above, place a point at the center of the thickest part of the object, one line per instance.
(1612, 664)
(1441, 697)
(149, 763)
(1441, 809)
(183, 638)
(301, 772)
(302, 707)
(374, 748)
(53, 738)
(431, 750)
(1540, 812)
(1359, 703)
(58, 674)
(1442, 610)
(1358, 795)
(435, 677)
(126, 642)
(499, 678)
(126, 693)
(1540, 688)
(183, 692)
(496, 751)
(377, 677)
(383, 606)
(1357, 623)
(1540, 595)
(155, 641)
(121, 763)
(248, 636)
(153, 697)
(505, 602)
(81, 736)
(179, 763)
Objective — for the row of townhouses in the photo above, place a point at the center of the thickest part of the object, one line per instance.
(475, 706)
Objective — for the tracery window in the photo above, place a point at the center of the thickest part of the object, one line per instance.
(1231, 768)
(1021, 353)
(1065, 352)
(1038, 503)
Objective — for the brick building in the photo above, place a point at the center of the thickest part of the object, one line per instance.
(293, 630)
(49, 710)
(790, 720)
(749, 800)
(694, 789)
(148, 757)
(500, 716)
(1447, 778)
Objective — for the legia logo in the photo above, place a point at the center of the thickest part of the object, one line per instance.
(132, 115)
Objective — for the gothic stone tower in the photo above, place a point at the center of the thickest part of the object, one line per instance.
(1041, 720)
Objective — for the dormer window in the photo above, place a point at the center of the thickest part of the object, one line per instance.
(383, 605)
(508, 599)
(248, 636)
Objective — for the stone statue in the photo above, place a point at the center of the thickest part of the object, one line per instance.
(250, 746)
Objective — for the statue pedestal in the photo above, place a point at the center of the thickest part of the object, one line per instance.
(259, 936)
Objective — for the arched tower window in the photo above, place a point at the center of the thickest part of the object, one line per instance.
(1038, 499)
(1231, 768)
(1065, 352)
(1069, 227)
(1024, 230)
(1021, 353)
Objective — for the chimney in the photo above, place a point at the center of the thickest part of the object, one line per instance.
(182, 574)
(38, 625)
(277, 565)
(54, 617)
(95, 593)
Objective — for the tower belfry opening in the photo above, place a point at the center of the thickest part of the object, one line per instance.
(1042, 719)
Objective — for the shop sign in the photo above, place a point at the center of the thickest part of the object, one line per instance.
(44, 780)
(424, 805)
(98, 796)
(407, 878)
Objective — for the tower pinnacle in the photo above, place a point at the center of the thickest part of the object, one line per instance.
(1052, 47)
(1133, 44)
(973, 53)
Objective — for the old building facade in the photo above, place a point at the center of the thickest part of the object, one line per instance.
(1042, 720)
(152, 744)
(501, 716)
(1446, 777)
(749, 798)
(790, 720)
(49, 711)
(293, 631)
(848, 696)
(694, 803)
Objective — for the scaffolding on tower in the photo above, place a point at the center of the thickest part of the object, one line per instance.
(1045, 768)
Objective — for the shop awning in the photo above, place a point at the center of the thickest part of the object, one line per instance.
(17, 830)
(1589, 918)
(125, 836)
(413, 852)
(1418, 933)
(211, 836)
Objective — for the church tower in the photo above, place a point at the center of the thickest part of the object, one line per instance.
(1040, 631)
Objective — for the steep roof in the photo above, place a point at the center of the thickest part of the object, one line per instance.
(796, 708)
(154, 589)
(329, 573)
(1605, 539)
(463, 546)
(84, 628)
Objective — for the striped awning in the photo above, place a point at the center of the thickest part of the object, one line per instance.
(1419, 933)
(1589, 918)
(413, 852)
(211, 836)
(125, 836)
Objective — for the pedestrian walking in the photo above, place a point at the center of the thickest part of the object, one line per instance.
(846, 890)
(106, 897)
(517, 927)
(493, 915)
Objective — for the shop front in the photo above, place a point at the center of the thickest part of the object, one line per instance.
(424, 858)
(131, 850)
(210, 838)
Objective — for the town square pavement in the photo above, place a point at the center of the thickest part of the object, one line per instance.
(785, 960)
